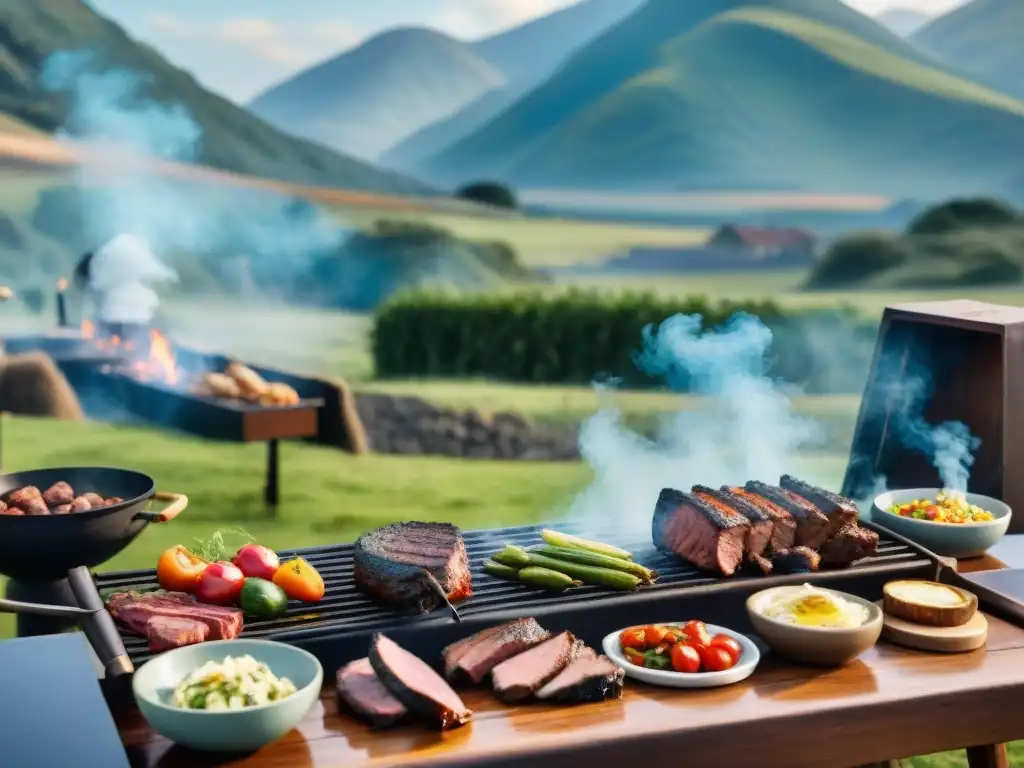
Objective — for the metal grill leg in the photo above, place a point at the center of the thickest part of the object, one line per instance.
(270, 491)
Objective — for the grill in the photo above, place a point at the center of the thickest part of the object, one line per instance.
(339, 628)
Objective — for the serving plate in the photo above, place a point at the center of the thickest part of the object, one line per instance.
(744, 668)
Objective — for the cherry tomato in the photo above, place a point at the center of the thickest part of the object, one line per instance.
(728, 644)
(635, 637)
(654, 634)
(673, 636)
(220, 583)
(635, 657)
(178, 570)
(716, 659)
(257, 561)
(685, 658)
(697, 633)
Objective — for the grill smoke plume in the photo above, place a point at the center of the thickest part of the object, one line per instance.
(747, 432)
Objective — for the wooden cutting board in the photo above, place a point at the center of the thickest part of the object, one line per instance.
(968, 637)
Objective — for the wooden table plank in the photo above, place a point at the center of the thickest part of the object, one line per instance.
(892, 701)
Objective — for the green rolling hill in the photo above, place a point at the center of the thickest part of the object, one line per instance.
(232, 138)
(985, 38)
(782, 94)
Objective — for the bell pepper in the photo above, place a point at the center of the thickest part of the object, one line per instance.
(220, 583)
(178, 570)
(257, 561)
(300, 581)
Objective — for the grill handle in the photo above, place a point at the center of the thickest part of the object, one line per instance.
(98, 625)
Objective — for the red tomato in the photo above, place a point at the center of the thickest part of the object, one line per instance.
(697, 633)
(633, 638)
(685, 658)
(728, 644)
(716, 659)
(635, 657)
(257, 562)
(654, 634)
(220, 583)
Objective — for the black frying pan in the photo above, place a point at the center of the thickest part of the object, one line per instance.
(46, 547)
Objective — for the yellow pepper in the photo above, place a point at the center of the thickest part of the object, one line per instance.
(300, 581)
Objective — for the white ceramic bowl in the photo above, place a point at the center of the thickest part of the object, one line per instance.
(749, 657)
(946, 539)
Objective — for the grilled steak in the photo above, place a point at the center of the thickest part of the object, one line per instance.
(761, 525)
(134, 611)
(796, 560)
(418, 687)
(362, 693)
(784, 526)
(166, 632)
(704, 535)
(839, 510)
(521, 676)
(812, 525)
(452, 653)
(487, 650)
(850, 543)
(588, 678)
(390, 561)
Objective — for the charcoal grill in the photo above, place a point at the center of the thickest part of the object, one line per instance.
(339, 628)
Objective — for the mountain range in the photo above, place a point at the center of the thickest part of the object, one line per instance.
(903, 21)
(232, 138)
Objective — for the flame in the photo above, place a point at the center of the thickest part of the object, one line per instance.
(161, 358)
(62, 285)
(88, 330)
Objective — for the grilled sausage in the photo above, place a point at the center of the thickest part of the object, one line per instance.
(29, 500)
(58, 493)
(279, 393)
(251, 384)
(80, 504)
(222, 385)
(94, 499)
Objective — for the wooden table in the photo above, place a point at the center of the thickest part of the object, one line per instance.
(890, 702)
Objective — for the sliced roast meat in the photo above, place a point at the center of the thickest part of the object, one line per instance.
(761, 526)
(795, 560)
(812, 525)
(390, 564)
(839, 510)
(416, 685)
(784, 526)
(849, 544)
(167, 632)
(587, 678)
(134, 611)
(453, 653)
(482, 657)
(362, 693)
(518, 678)
(705, 535)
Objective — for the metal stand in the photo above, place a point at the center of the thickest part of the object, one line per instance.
(270, 491)
(45, 593)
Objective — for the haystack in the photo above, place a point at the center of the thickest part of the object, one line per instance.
(32, 385)
(350, 434)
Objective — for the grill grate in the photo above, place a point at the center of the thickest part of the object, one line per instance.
(345, 611)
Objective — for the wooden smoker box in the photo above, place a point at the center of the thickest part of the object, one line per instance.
(974, 353)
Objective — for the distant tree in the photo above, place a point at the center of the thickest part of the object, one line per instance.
(855, 257)
(492, 193)
(970, 213)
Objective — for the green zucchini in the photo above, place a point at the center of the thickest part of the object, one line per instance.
(583, 557)
(556, 539)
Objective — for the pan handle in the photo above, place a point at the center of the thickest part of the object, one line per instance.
(176, 503)
(38, 609)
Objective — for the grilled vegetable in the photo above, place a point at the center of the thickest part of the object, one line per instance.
(499, 571)
(262, 599)
(584, 557)
(657, 659)
(556, 539)
(178, 570)
(257, 561)
(300, 581)
(547, 579)
(219, 583)
(517, 557)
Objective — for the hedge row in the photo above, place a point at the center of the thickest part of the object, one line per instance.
(579, 336)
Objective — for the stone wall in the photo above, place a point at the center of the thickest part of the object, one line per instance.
(412, 426)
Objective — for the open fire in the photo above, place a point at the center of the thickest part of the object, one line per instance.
(149, 359)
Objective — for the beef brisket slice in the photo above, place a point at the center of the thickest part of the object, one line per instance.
(167, 632)
(418, 687)
(362, 693)
(839, 510)
(698, 532)
(390, 561)
(588, 678)
(761, 526)
(518, 678)
(134, 610)
(784, 526)
(812, 525)
(849, 544)
(477, 661)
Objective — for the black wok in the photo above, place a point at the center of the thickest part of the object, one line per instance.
(46, 547)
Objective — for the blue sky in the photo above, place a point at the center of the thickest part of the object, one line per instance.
(240, 47)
